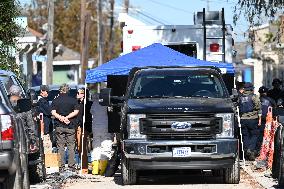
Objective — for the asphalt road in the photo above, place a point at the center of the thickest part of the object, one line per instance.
(150, 180)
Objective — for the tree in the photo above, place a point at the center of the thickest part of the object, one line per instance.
(9, 30)
(67, 25)
(255, 10)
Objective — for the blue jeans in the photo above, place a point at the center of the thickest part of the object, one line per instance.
(250, 132)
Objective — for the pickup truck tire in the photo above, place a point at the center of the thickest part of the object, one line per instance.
(129, 176)
(277, 153)
(232, 174)
(14, 181)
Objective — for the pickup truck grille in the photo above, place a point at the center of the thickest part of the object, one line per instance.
(158, 126)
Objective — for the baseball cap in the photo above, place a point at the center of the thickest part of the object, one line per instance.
(276, 81)
(44, 88)
(263, 89)
(248, 86)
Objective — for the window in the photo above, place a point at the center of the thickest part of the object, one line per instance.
(175, 84)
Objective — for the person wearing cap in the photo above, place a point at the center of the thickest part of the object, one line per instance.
(44, 108)
(276, 90)
(65, 109)
(250, 115)
(266, 102)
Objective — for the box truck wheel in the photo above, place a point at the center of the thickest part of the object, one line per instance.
(129, 176)
(232, 174)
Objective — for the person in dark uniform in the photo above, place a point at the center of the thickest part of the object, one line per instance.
(250, 114)
(266, 102)
(276, 91)
(44, 108)
(65, 109)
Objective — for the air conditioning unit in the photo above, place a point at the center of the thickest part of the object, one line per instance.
(279, 45)
(211, 17)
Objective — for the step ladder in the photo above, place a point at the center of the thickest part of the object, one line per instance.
(205, 37)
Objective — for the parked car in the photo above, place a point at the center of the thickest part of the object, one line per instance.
(13, 156)
(35, 147)
(54, 91)
(8, 79)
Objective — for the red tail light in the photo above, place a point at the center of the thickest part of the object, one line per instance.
(214, 47)
(130, 31)
(7, 128)
(135, 48)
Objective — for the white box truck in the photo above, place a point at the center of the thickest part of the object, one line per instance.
(208, 39)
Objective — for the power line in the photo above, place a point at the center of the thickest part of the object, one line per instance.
(140, 12)
(170, 6)
(147, 15)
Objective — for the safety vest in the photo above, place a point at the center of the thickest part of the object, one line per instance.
(246, 103)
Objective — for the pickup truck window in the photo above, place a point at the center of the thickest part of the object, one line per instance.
(185, 84)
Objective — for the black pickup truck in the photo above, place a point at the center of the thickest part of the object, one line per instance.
(174, 118)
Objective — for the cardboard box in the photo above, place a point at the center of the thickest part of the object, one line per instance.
(52, 160)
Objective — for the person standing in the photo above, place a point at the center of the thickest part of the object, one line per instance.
(44, 108)
(250, 114)
(275, 92)
(65, 109)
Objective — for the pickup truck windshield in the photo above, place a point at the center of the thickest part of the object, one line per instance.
(177, 84)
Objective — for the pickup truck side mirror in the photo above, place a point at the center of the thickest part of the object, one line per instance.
(234, 95)
(24, 105)
(104, 97)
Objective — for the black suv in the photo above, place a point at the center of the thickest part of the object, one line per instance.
(35, 152)
(175, 118)
(13, 141)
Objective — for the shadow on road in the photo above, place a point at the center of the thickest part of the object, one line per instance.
(173, 177)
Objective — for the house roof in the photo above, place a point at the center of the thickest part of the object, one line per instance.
(34, 32)
(67, 54)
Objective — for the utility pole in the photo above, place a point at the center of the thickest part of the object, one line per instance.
(207, 4)
(85, 33)
(126, 6)
(111, 42)
(47, 78)
(100, 45)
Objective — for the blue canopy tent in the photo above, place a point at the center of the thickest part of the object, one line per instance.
(153, 55)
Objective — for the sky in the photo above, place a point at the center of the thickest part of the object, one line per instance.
(179, 12)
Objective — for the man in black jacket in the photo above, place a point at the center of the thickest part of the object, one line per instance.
(44, 108)
(65, 109)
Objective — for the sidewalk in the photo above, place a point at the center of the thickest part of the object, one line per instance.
(264, 181)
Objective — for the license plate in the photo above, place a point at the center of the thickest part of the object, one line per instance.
(182, 152)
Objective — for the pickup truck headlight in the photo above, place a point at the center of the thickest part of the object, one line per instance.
(133, 122)
(228, 125)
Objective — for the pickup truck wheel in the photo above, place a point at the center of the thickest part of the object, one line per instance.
(129, 175)
(232, 174)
